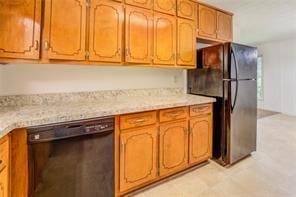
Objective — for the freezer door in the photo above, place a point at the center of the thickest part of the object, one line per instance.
(243, 119)
(243, 62)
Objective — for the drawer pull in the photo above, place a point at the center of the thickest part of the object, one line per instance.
(174, 113)
(201, 109)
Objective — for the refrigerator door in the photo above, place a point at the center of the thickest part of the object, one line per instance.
(242, 127)
(243, 62)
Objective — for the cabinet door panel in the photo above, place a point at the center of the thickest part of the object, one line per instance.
(187, 9)
(200, 147)
(138, 39)
(165, 6)
(186, 42)
(65, 24)
(224, 24)
(4, 183)
(140, 3)
(137, 157)
(105, 40)
(20, 28)
(207, 22)
(173, 148)
(164, 39)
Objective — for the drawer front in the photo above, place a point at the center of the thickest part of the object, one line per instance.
(4, 154)
(197, 110)
(137, 120)
(173, 114)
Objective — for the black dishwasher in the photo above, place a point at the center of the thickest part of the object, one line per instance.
(72, 159)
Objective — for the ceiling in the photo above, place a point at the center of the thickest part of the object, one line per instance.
(259, 21)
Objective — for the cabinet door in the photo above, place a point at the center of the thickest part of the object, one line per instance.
(207, 22)
(65, 24)
(105, 40)
(138, 34)
(173, 148)
(4, 182)
(137, 157)
(165, 6)
(140, 3)
(200, 147)
(224, 25)
(186, 9)
(186, 48)
(20, 29)
(164, 39)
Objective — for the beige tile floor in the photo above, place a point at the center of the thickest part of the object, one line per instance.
(269, 172)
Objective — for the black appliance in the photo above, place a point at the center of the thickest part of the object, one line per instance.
(228, 72)
(72, 159)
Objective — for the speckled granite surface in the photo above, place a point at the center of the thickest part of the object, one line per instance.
(34, 110)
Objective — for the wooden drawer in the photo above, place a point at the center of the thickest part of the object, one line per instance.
(197, 110)
(137, 120)
(4, 153)
(173, 114)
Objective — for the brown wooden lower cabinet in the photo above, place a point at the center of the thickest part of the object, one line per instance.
(138, 156)
(4, 167)
(177, 139)
(200, 140)
(173, 147)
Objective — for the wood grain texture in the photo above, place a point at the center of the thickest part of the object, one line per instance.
(20, 26)
(140, 3)
(164, 39)
(65, 29)
(186, 44)
(19, 163)
(172, 114)
(165, 6)
(200, 141)
(224, 26)
(105, 33)
(138, 155)
(173, 147)
(186, 9)
(5, 166)
(137, 120)
(138, 35)
(207, 21)
(204, 109)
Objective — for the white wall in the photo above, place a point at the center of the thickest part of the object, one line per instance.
(279, 76)
(34, 79)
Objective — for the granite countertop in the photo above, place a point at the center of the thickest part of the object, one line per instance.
(26, 114)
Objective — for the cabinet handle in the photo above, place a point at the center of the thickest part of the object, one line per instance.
(127, 52)
(46, 45)
(118, 52)
(174, 113)
(139, 120)
(36, 45)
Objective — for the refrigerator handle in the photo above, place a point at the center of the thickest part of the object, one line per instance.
(236, 80)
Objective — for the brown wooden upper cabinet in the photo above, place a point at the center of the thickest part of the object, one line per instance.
(186, 44)
(105, 33)
(138, 153)
(140, 3)
(138, 35)
(164, 39)
(64, 29)
(167, 7)
(186, 9)
(224, 26)
(207, 22)
(214, 24)
(20, 26)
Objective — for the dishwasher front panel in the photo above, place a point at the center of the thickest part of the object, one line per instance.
(80, 166)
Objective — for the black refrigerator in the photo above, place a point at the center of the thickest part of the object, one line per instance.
(228, 72)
